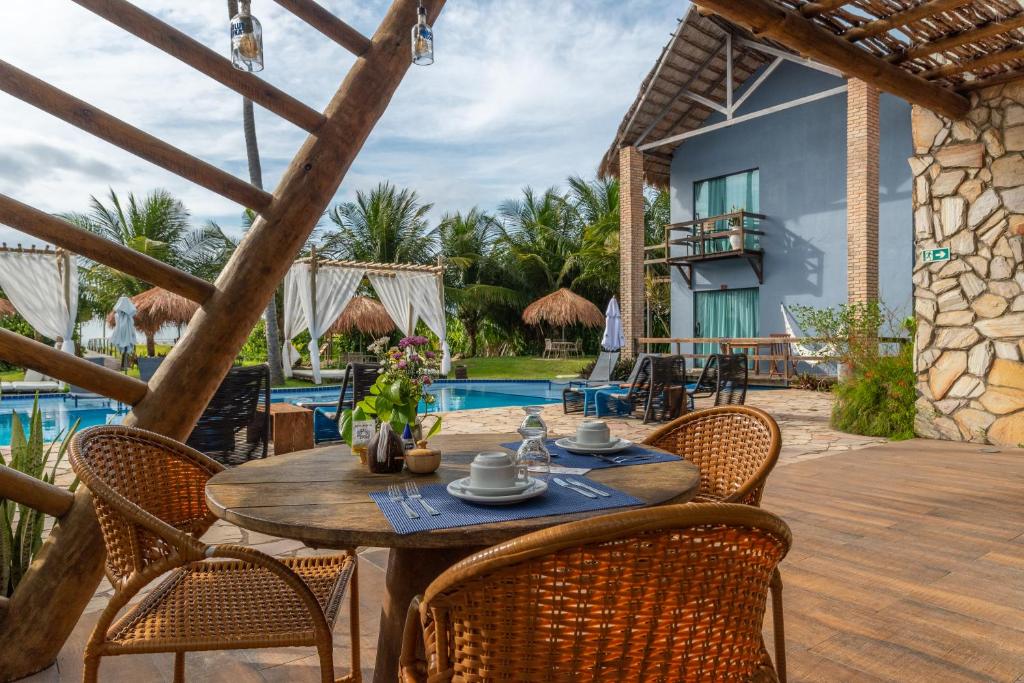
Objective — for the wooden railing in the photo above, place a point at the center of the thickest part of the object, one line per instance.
(700, 233)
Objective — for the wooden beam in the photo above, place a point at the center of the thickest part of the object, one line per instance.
(813, 9)
(201, 58)
(999, 79)
(185, 382)
(789, 28)
(331, 26)
(27, 353)
(979, 63)
(916, 13)
(971, 36)
(92, 246)
(38, 495)
(78, 113)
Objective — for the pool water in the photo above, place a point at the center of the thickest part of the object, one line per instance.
(60, 413)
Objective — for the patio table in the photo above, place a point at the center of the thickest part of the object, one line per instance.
(321, 497)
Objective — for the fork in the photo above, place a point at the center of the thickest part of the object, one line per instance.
(413, 491)
(395, 494)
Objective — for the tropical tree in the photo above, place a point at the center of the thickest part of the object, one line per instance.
(385, 225)
(541, 235)
(252, 153)
(156, 225)
(476, 276)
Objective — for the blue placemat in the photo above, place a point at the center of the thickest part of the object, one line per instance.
(562, 457)
(455, 513)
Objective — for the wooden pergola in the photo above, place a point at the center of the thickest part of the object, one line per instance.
(52, 595)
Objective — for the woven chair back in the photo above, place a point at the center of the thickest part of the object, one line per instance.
(359, 377)
(707, 382)
(674, 593)
(235, 426)
(148, 366)
(731, 382)
(132, 474)
(735, 448)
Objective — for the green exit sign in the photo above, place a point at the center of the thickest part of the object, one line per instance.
(935, 255)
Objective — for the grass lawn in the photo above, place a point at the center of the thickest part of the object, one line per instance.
(522, 367)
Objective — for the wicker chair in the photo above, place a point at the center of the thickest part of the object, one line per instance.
(235, 427)
(355, 386)
(673, 593)
(149, 495)
(725, 377)
(735, 448)
(650, 394)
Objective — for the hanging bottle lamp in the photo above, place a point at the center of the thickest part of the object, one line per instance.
(246, 39)
(422, 39)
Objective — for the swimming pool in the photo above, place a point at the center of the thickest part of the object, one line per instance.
(59, 413)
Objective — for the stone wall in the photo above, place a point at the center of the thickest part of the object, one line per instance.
(969, 196)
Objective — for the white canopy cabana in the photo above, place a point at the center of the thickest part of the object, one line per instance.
(318, 290)
(42, 284)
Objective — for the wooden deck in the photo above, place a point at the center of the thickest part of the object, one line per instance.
(907, 565)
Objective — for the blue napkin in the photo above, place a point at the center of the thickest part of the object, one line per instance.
(562, 457)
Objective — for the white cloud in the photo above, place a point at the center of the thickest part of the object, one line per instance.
(524, 92)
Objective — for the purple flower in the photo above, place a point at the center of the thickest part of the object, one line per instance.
(425, 379)
(396, 355)
(430, 354)
(402, 364)
(415, 358)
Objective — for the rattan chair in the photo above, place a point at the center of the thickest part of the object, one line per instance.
(672, 593)
(235, 427)
(149, 495)
(735, 448)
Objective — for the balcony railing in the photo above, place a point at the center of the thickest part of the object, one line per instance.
(728, 236)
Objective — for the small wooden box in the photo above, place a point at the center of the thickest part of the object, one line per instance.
(291, 428)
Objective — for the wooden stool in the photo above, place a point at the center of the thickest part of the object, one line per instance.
(291, 428)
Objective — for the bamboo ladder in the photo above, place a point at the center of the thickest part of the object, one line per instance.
(51, 597)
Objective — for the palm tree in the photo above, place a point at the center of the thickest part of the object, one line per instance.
(474, 280)
(386, 225)
(541, 235)
(252, 153)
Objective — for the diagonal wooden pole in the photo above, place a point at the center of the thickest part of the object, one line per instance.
(57, 588)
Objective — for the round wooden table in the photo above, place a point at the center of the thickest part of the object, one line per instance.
(321, 497)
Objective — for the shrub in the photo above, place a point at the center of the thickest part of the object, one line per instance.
(878, 398)
(21, 527)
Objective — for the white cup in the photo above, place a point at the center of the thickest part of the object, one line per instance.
(493, 471)
(593, 433)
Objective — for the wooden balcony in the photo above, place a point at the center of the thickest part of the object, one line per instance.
(714, 238)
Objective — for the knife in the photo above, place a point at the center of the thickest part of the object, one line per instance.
(580, 484)
(561, 482)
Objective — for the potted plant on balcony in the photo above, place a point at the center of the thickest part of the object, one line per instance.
(735, 223)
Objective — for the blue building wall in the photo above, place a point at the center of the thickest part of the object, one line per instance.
(801, 155)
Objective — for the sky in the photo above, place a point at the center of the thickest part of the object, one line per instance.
(522, 93)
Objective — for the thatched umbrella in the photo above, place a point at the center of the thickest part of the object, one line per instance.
(563, 308)
(365, 315)
(158, 307)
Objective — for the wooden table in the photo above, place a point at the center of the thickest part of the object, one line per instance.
(291, 428)
(321, 497)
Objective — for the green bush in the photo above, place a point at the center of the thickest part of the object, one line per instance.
(878, 398)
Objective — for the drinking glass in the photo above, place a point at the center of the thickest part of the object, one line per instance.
(534, 458)
(533, 425)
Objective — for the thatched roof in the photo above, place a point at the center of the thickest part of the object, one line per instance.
(157, 307)
(6, 308)
(563, 308)
(694, 58)
(365, 315)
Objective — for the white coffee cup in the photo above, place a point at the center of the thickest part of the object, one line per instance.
(493, 471)
(593, 433)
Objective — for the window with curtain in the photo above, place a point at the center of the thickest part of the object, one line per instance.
(717, 196)
(726, 313)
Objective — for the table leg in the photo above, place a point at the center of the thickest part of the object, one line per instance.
(410, 571)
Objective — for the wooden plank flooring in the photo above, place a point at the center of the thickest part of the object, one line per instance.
(907, 565)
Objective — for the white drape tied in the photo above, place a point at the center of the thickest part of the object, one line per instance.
(427, 306)
(294, 317)
(43, 287)
(397, 297)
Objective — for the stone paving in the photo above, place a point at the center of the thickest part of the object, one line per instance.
(803, 417)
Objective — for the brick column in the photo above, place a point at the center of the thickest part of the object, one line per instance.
(631, 246)
(862, 181)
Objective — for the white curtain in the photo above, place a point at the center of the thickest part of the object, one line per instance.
(397, 296)
(335, 287)
(294, 317)
(428, 308)
(43, 287)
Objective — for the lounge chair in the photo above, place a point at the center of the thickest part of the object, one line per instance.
(725, 377)
(34, 382)
(655, 394)
(573, 396)
(359, 377)
(147, 366)
(673, 593)
(235, 427)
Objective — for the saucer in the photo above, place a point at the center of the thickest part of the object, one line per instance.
(534, 488)
(465, 485)
(613, 446)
